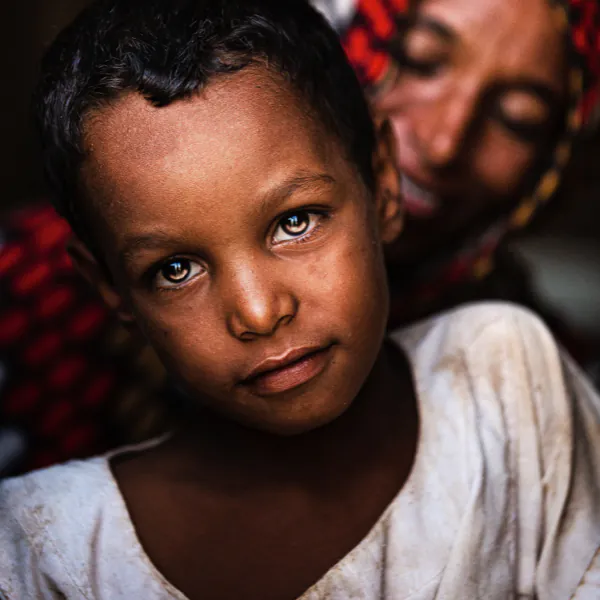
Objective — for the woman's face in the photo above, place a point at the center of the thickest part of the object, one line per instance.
(479, 93)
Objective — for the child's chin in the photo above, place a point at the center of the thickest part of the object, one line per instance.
(299, 424)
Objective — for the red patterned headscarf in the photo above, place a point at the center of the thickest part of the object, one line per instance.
(373, 26)
(366, 37)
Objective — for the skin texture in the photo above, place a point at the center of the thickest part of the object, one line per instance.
(478, 96)
(166, 189)
(256, 495)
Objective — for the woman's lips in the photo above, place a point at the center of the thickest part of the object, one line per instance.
(418, 201)
(294, 369)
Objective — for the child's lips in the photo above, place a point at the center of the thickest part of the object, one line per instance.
(295, 368)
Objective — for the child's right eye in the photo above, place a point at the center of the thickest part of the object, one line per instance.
(176, 272)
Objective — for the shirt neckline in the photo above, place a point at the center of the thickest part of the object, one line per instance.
(133, 540)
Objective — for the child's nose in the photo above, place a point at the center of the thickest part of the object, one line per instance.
(258, 305)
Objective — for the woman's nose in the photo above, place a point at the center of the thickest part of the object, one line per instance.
(442, 133)
(258, 304)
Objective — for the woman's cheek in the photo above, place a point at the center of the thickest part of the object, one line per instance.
(503, 163)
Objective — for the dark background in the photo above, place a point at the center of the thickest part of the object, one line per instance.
(26, 28)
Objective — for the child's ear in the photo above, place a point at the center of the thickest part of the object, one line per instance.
(390, 210)
(85, 262)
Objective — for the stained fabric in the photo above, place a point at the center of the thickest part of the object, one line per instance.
(502, 500)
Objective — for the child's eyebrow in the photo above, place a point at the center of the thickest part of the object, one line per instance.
(147, 241)
(276, 195)
(283, 190)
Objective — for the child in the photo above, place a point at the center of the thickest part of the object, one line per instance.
(215, 159)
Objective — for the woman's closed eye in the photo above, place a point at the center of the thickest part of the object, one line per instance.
(525, 115)
(176, 272)
(419, 51)
(296, 226)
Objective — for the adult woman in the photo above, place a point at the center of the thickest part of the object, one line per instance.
(485, 99)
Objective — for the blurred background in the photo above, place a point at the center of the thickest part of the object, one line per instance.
(72, 383)
(27, 27)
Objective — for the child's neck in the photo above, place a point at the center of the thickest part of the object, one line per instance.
(213, 503)
(381, 419)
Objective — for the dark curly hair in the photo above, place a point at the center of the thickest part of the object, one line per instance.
(167, 50)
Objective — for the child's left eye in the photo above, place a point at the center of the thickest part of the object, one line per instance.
(176, 272)
(295, 225)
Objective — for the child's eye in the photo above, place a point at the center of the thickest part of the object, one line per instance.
(176, 272)
(295, 225)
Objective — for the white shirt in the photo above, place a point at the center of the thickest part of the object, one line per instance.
(503, 500)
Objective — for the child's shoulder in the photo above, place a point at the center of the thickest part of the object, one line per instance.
(480, 324)
(67, 528)
(510, 426)
(53, 502)
(486, 336)
(492, 354)
(51, 497)
(47, 518)
(60, 497)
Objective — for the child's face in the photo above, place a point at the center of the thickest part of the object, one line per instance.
(240, 240)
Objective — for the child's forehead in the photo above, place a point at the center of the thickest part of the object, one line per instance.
(252, 106)
(239, 135)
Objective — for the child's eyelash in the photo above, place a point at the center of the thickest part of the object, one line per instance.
(152, 273)
(321, 213)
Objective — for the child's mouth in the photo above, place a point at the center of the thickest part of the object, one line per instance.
(293, 369)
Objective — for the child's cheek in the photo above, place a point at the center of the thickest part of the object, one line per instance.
(348, 280)
(187, 341)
